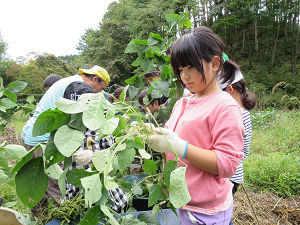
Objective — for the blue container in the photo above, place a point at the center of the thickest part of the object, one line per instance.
(164, 217)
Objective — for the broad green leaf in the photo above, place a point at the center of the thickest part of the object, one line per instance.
(92, 216)
(131, 80)
(148, 65)
(94, 118)
(126, 157)
(76, 122)
(133, 91)
(106, 211)
(156, 93)
(138, 191)
(7, 103)
(149, 53)
(3, 177)
(178, 191)
(70, 106)
(123, 94)
(110, 126)
(48, 121)
(101, 160)
(110, 183)
(136, 63)
(51, 153)
(185, 23)
(140, 42)
(30, 99)
(164, 71)
(92, 189)
(148, 218)
(17, 86)
(1, 82)
(155, 210)
(54, 171)
(149, 166)
(3, 160)
(130, 219)
(15, 151)
(62, 183)
(120, 147)
(74, 175)
(168, 168)
(173, 18)
(155, 194)
(11, 95)
(156, 36)
(26, 158)
(68, 140)
(30, 176)
(131, 47)
(144, 154)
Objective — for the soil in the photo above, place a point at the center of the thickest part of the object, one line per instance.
(269, 209)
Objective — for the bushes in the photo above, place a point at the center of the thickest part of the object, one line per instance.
(276, 172)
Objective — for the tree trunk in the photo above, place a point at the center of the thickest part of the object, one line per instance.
(255, 35)
(275, 45)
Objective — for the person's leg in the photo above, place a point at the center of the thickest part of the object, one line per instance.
(234, 189)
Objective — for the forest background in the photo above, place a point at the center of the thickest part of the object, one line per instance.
(262, 36)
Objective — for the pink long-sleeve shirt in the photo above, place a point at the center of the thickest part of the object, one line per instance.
(214, 123)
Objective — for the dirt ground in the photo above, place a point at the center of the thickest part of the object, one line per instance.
(268, 209)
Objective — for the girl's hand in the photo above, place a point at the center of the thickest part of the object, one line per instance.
(165, 140)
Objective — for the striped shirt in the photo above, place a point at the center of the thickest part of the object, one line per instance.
(48, 101)
(238, 177)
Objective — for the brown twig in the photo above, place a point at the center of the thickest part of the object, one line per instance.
(250, 204)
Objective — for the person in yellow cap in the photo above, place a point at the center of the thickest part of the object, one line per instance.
(97, 78)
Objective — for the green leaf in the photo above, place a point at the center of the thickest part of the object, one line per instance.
(131, 80)
(140, 42)
(136, 63)
(92, 189)
(155, 194)
(7, 103)
(106, 211)
(148, 218)
(62, 183)
(92, 216)
(168, 168)
(130, 219)
(149, 166)
(3, 160)
(123, 94)
(126, 157)
(149, 53)
(15, 151)
(70, 106)
(178, 191)
(26, 158)
(68, 140)
(156, 36)
(30, 176)
(74, 175)
(54, 171)
(48, 121)
(155, 210)
(17, 86)
(101, 160)
(76, 122)
(30, 99)
(52, 155)
(11, 95)
(173, 18)
(133, 91)
(111, 126)
(131, 47)
(3, 177)
(148, 65)
(94, 118)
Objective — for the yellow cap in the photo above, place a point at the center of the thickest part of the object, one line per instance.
(97, 70)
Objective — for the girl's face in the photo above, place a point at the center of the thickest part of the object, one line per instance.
(192, 78)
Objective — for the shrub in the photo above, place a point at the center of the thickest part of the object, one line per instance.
(277, 172)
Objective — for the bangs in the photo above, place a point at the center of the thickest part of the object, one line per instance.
(185, 53)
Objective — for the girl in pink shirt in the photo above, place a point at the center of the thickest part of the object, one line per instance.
(206, 129)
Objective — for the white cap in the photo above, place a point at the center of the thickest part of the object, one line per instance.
(237, 77)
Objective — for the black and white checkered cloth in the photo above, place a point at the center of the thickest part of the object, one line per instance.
(91, 138)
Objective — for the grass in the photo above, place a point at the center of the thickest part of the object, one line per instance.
(18, 121)
(273, 164)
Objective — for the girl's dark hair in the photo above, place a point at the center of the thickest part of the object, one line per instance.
(51, 79)
(117, 94)
(229, 69)
(248, 98)
(192, 48)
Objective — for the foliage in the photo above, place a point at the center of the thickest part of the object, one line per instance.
(261, 118)
(276, 172)
(273, 163)
(96, 113)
